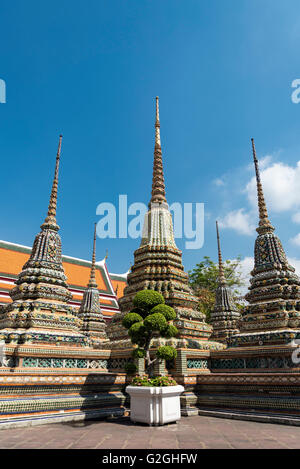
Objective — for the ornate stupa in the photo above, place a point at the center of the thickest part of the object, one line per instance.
(93, 324)
(273, 313)
(158, 266)
(225, 316)
(40, 312)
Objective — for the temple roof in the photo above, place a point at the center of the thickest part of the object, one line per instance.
(13, 256)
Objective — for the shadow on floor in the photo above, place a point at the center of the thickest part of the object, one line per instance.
(88, 422)
(124, 421)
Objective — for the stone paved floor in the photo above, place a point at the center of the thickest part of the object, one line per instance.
(191, 432)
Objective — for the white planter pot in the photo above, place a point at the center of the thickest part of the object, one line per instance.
(155, 405)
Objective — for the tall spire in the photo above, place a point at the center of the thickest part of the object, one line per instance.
(158, 266)
(93, 324)
(224, 317)
(222, 280)
(271, 316)
(50, 221)
(158, 194)
(41, 287)
(264, 222)
(157, 124)
(92, 282)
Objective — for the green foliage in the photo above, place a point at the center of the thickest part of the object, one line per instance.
(166, 352)
(138, 353)
(130, 368)
(155, 322)
(145, 300)
(170, 331)
(160, 381)
(206, 274)
(150, 318)
(204, 281)
(130, 319)
(137, 333)
(166, 310)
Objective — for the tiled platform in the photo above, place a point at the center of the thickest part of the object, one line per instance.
(192, 432)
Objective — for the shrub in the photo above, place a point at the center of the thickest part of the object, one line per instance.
(145, 300)
(155, 322)
(137, 329)
(158, 381)
(130, 319)
(150, 318)
(165, 310)
(130, 368)
(138, 353)
(170, 331)
(166, 352)
(163, 381)
(137, 333)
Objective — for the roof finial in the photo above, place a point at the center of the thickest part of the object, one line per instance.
(158, 194)
(157, 123)
(50, 221)
(264, 222)
(221, 268)
(92, 282)
(106, 255)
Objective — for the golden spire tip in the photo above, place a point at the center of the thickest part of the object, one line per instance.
(92, 282)
(50, 221)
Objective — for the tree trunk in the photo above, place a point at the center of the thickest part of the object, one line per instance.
(149, 362)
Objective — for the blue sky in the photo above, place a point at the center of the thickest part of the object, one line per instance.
(223, 70)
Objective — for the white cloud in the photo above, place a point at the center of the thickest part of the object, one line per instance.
(295, 263)
(280, 184)
(247, 265)
(219, 182)
(282, 193)
(239, 221)
(296, 240)
(264, 162)
(296, 217)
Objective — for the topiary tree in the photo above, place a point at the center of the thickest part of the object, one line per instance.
(149, 318)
